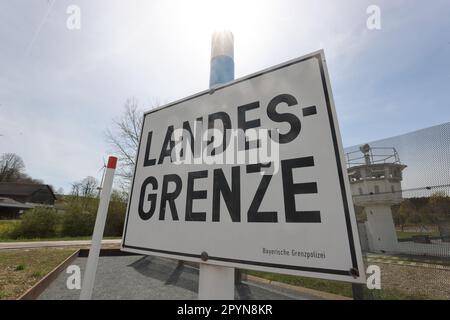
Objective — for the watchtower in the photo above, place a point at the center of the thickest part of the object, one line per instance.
(375, 176)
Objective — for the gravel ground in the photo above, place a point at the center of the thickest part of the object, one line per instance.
(417, 280)
(142, 278)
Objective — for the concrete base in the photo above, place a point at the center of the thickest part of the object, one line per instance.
(381, 233)
(215, 283)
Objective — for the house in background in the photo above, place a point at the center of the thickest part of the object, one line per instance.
(11, 209)
(17, 197)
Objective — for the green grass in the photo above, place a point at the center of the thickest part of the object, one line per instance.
(337, 287)
(37, 274)
(52, 239)
(21, 269)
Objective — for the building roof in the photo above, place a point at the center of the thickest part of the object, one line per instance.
(10, 203)
(23, 189)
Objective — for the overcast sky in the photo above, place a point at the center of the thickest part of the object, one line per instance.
(61, 88)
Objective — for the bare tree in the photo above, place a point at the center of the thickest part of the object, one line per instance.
(76, 189)
(124, 139)
(88, 187)
(11, 167)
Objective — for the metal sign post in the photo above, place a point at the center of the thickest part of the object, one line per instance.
(102, 212)
(216, 282)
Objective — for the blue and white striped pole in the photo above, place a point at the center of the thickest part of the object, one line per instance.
(222, 58)
(215, 282)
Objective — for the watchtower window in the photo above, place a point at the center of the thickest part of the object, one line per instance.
(360, 191)
(392, 188)
(377, 189)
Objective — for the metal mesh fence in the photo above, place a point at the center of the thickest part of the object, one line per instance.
(404, 218)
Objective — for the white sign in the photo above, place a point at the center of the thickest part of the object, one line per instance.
(201, 193)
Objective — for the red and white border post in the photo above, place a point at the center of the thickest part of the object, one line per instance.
(102, 212)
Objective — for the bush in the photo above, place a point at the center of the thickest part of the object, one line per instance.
(76, 218)
(80, 213)
(7, 227)
(115, 219)
(77, 221)
(37, 223)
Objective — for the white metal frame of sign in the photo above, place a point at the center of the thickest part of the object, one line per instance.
(309, 229)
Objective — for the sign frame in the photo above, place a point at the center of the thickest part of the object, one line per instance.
(356, 274)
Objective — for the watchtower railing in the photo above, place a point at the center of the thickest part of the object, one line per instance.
(376, 155)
